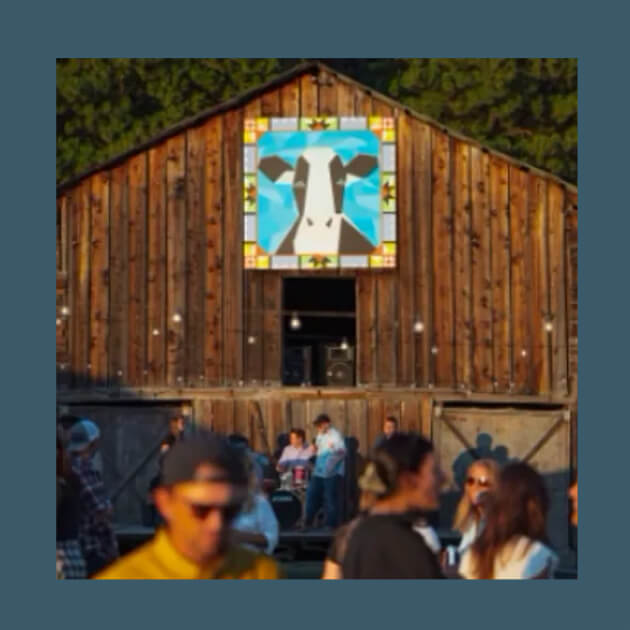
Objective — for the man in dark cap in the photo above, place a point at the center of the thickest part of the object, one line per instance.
(325, 485)
(202, 487)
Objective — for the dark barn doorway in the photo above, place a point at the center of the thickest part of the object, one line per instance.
(319, 332)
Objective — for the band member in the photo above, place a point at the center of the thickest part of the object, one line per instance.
(296, 453)
(390, 426)
(325, 485)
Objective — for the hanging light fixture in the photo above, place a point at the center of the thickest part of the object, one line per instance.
(344, 344)
(251, 340)
(59, 321)
(295, 322)
(177, 318)
(65, 311)
(156, 332)
(418, 327)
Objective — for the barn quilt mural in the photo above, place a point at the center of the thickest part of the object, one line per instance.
(319, 192)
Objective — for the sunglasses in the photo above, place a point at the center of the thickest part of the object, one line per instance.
(483, 482)
(201, 510)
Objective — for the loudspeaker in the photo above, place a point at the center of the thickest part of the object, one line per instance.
(339, 365)
(297, 365)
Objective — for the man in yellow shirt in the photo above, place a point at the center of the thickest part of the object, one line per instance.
(203, 485)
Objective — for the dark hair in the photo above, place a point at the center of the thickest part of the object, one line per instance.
(322, 417)
(391, 419)
(238, 440)
(67, 420)
(299, 432)
(403, 452)
(519, 508)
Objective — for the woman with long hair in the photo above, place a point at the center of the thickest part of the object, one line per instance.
(405, 476)
(481, 479)
(513, 544)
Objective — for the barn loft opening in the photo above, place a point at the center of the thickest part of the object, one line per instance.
(319, 332)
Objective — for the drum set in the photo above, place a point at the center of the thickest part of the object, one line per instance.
(289, 500)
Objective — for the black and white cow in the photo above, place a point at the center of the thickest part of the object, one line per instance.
(318, 180)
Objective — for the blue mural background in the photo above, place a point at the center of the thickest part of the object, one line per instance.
(276, 204)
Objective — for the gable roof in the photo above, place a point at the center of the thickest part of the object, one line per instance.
(309, 67)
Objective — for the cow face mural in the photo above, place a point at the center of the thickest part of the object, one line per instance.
(319, 193)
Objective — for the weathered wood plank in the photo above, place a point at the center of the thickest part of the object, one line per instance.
(410, 415)
(557, 287)
(272, 328)
(482, 271)
(138, 191)
(156, 278)
(426, 412)
(520, 281)
(176, 260)
(423, 252)
(375, 417)
(119, 279)
(358, 423)
(308, 96)
(83, 309)
(345, 99)
(387, 299)
(501, 315)
(290, 98)
(267, 105)
(540, 289)
(571, 220)
(328, 95)
(214, 223)
(99, 279)
(366, 326)
(443, 291)
(195, 257)
(462, 262)
(233, 267)
(406, 245)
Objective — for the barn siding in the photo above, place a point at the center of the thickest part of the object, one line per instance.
(484, 254)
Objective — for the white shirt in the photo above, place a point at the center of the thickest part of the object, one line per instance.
(293, 456)
(261, 519)
(519, 559)
(331, 452)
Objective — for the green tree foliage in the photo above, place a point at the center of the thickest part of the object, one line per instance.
(524, 107)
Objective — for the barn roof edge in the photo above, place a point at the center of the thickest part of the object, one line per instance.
(302, 68)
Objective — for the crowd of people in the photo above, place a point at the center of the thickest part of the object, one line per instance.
(216, 519)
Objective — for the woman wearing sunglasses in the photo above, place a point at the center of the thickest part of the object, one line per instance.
(481, 479)
(513, 544)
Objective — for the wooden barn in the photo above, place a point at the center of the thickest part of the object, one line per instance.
(463, 325)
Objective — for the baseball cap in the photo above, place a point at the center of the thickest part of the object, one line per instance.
(82, 434)
(323, 417)
(184, 459)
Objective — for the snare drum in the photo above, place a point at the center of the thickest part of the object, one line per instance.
(287, 507)
(299, 476)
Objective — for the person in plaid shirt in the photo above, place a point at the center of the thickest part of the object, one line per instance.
(96, 532)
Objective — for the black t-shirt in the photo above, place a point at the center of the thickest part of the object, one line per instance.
(386, 546)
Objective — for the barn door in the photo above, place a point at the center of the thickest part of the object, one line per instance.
(539, 437)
